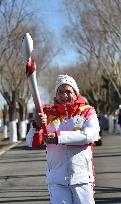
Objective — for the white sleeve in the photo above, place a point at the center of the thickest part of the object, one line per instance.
(88, 134)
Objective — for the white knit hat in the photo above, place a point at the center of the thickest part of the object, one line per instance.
(65, 79)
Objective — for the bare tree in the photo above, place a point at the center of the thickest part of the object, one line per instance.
(48, 80)
(94, 31)
(15, 18)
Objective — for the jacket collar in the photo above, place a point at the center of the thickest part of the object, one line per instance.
(68, 109)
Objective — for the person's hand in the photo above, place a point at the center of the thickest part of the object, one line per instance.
(51, 138)
(41, 119)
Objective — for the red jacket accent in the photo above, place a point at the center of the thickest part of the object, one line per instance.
(58, 109)
(37, 139)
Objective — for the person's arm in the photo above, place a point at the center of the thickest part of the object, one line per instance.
(88, 134)
(34, 137)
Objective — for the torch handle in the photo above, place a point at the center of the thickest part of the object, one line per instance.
(27, 47)
(36, 97)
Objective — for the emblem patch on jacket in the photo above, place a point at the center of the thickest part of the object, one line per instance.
(78, 122)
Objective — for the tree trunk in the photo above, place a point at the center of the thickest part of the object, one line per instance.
(22, 118)
(13, 131)
(13, 120)
(5, 129)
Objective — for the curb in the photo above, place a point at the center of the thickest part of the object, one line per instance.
(5, 149)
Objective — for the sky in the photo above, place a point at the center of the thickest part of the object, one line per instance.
(54, 17)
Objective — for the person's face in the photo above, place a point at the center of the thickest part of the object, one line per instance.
(65, 93)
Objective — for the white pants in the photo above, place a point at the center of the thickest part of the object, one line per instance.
(76, 194)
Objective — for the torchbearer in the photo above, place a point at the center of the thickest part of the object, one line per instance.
(73, 128)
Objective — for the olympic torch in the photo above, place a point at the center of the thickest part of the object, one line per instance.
(27, 48)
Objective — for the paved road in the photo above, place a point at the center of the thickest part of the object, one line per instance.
(108, 170)
(22, 174)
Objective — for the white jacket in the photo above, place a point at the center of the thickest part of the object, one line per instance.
(71, 160)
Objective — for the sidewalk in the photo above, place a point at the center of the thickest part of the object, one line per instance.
(5, 144)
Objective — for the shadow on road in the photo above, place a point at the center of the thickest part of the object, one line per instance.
(112, 200)
(110, 155)
(31, 200)
(25, 147)
(107, 190)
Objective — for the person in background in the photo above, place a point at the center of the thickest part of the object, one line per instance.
(73, 128)
(118, 120)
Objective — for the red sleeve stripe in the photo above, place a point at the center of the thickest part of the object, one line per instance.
(37, 140)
